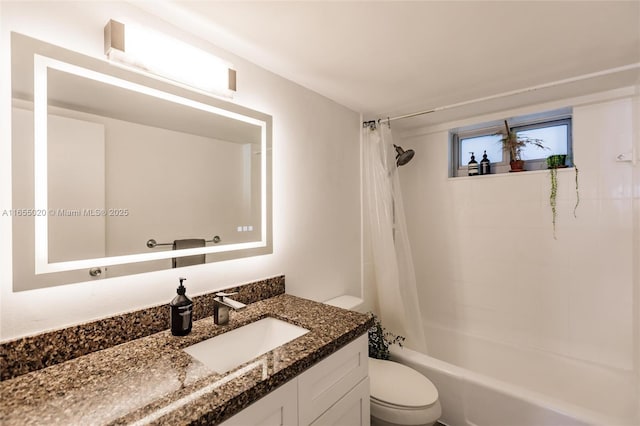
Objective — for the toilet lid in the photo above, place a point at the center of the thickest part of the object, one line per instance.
(399, 385)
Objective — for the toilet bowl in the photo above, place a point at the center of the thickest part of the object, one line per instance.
(400, 396)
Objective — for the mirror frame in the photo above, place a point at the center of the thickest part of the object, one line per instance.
(43, 56)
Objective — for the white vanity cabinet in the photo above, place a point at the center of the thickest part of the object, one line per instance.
(333, 392)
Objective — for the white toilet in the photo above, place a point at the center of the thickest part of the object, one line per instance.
(399, 394)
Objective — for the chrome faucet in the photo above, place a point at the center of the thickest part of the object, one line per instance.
(221, 306)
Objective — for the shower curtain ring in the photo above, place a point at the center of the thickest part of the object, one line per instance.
(388, 121)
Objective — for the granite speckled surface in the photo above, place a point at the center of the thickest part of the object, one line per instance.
(150, 380)
(32, 353)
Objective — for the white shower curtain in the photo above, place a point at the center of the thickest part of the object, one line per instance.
(397, 294)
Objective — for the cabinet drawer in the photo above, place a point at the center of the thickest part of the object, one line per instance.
(325, 383)
(279, 408)
(353, 409)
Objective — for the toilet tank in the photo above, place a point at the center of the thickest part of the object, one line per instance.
(346, 301)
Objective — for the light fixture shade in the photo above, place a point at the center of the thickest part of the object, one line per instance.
(168, 57)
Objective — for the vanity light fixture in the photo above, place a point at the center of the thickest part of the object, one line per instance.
(168, 57)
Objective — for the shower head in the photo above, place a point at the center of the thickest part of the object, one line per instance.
(402, 156)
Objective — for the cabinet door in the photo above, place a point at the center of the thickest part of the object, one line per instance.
(325, 383)
(278, 408)
(353, 409)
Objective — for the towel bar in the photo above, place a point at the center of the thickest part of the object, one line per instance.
(153, 243)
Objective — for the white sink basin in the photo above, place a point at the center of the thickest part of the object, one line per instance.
(226, 351)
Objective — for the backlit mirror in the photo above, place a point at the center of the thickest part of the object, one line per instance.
(116, 172)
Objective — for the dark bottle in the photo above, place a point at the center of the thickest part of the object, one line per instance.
(473, 166)
(181, 312)
(485, 165)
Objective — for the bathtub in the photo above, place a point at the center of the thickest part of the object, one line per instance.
(485, 383)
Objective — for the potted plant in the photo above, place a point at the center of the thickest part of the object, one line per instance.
(380, 340)
(513, 145)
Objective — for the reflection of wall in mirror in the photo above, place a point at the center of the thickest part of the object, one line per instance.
(76, 189)
(173, 186)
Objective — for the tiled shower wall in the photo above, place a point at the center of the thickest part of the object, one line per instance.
(486, 259)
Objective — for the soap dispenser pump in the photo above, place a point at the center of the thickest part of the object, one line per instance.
(181, 312)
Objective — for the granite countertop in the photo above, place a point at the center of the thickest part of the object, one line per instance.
(152, 381)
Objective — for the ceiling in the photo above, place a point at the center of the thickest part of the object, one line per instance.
(393, 58)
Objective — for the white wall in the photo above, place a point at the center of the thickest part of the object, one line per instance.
(486, 260)
(316, 207)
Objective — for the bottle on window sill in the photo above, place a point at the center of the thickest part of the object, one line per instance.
(473, 166)
(485, 165)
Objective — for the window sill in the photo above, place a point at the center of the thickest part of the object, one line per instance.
(504, 175)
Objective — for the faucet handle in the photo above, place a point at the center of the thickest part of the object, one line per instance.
(223, 294)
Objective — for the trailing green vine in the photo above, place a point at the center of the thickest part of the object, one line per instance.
(553, 171)
(553, 163)
(577, 193)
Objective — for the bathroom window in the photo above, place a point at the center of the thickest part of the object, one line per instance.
(554, 134)
(553, 128)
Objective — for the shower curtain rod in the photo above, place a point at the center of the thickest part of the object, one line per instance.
(388, 120)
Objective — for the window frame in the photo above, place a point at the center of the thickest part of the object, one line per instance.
(517, 124)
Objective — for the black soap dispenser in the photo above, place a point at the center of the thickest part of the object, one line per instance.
(473, 165)
(181, 312)
(485, 165)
